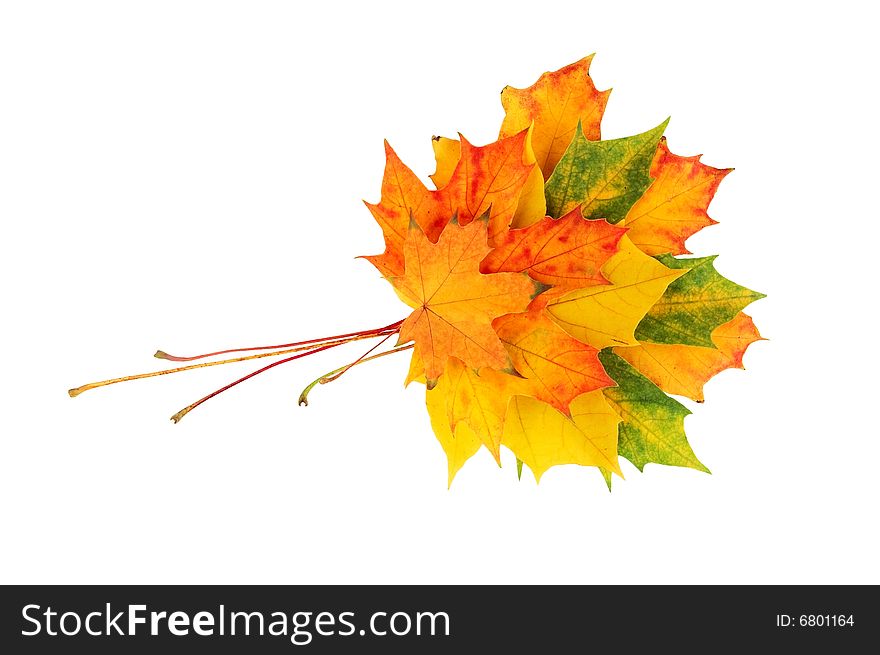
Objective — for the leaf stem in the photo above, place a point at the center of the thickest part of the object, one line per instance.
(332, 377)
(73, 393)
(186, 410)
(336, 373)
(366, 333)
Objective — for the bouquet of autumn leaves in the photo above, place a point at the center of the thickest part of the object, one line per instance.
(550, 312)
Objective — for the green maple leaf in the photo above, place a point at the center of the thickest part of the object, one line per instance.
(605, 178)
(694, 304)
(652, 423)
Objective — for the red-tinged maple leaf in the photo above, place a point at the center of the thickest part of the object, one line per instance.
(566, 253)
(674, 206)
(486, 179)
(530, 207)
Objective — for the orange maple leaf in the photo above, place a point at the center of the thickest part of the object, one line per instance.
(486, 179)
(454, 304)
(674, 206)
(555, 104)
(683, 370)
(401, 198)
(558, 367)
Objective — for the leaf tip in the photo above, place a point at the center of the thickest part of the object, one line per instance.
(606, 476)
(540, 287)
(484, 217)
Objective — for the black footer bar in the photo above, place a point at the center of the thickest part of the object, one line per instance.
(429, 619)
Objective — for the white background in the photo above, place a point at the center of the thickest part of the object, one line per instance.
(189, 176)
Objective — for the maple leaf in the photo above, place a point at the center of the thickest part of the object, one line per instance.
(565, 253)
(485, 179)
(674, 206)
(607, 315)
(542, 437)
(477, 398)
(683, 370)
(652, 423)
(530, 205)
(447, 152)
(459, 444)
(604, 178)
(557, 367)
(454, 304)
(416, 370)
(694, 304)
(555, 105)
(402, 197)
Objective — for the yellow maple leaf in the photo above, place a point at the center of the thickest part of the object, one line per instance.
(459, 444)
(478, 399)
(607, 315)
(447, 152)
(542, 437)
